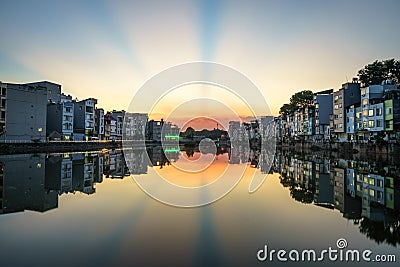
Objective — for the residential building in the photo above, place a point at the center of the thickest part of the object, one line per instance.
(84, 118)
(53, 90)
(23, 113)
(154, 129)
(3, 89)
(373, 110)
(99, 123)
(323, 102)
(135, 126)
(118, 116)
(60, 121)
(345, 97)
(392, 114)
(107, 126)
(351, 124)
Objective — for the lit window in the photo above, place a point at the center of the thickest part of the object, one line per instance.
(40, 129)
(371, 124)
(371, 112)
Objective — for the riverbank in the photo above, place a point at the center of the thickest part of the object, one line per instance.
(74, 146)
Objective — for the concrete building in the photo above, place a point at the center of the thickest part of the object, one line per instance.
(372, 116)
(60, 121)
(392, 114)
(351, 124)
(118, 116)
(99, 123)
(135, 126)
(3, 89)
(53, 90)
(323, 102)
(347, 96)
(84, 118)
(154, 129)
(107, 126)
(23, 113)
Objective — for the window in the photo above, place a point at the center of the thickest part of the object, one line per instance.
(365, 113)
(317, 106)
(378, 111)
(389, 110)
(379, 123)
(340, 125)
(364, 124)
(340, 115)
(371, 124)
(340, 106)
(336, 106)
(371, 112)
(372, 192)
(365, 101)
(372, 181)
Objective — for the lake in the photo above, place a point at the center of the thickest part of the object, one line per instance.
(86, 209)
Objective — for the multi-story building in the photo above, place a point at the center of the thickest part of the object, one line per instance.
(99, 123)
(60, 120)
(23, 112)
(53, 90)
(323, 102)
(345, 97)
(351, 122)
(3, 89)
(84, 118)
(392, 114)
(135, 126)
(118, 116)
(107, 126)
(372, 116)
(154, 129)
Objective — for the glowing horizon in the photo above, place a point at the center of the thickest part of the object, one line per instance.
(108, 50)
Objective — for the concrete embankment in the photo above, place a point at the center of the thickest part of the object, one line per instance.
(346, 148)
(52, 147)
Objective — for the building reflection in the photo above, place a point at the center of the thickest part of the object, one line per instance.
(363, 192)
(366, 193)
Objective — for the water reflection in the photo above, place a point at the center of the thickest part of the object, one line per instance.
(367, 193)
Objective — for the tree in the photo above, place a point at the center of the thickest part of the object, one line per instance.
(302, 99)
(378, 71)
(286, 109)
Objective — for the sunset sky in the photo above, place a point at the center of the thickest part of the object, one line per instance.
(108, 49)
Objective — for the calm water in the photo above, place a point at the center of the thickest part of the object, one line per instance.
(85, 209)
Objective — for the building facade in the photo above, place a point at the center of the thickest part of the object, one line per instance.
(84, 112)
(23, 113)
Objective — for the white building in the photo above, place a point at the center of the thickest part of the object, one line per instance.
(135, 126)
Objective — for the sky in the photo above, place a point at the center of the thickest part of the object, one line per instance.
(109, 49)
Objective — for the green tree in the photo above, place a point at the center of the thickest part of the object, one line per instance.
(286, 109)
(302, 99)
(378, 71)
